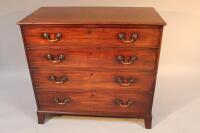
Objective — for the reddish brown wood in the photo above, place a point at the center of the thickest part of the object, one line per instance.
(94, 15)
(87, 37)
(99, 114)
(41, 117)
(148, 121)
(90, 45)
(93, 101)
(93, 58)
(99, 80)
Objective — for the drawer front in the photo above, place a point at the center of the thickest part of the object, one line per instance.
(93, 102)
(104, 80)
(95, 58)
(92, 37)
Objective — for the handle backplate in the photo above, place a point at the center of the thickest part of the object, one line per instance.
(64, 101)
(121, 59)
(60, 80)
(123, 104)
(123, 37)
(125, 82)
(47, 36)
(57, 59)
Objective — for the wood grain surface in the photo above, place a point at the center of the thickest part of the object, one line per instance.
(94, 15)
(104, 80)
(92, 37)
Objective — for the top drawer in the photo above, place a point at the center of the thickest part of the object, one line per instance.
(92, 37)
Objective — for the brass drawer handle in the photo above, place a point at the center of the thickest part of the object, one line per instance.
(123, 82)
(66, 100)
(121, 59)
(47, 36)
(60, 80)
(58, 59)
(122, 104)
(122, 37)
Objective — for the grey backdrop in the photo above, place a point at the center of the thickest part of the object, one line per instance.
(177, 97)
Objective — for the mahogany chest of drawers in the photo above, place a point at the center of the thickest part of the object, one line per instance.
(94, 61)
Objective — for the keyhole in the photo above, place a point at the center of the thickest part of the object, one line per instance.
(90, 53)
(89, 31)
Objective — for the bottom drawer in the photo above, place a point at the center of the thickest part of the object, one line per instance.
(93, 102)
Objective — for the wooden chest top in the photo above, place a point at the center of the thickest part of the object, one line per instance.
(95, 15)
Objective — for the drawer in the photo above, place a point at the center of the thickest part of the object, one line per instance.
(102, 80)
(92, 37)
(95, 58)
(93, 102)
